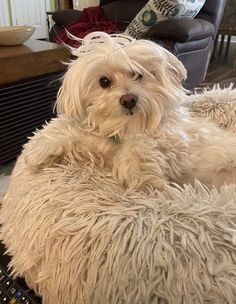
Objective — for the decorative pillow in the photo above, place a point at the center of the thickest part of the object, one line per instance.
(156, 11)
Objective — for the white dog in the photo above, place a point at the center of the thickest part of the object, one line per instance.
(120, 108)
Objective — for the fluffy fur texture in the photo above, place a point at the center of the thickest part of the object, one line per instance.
(107, 222)
(78, 237)
(217, 105)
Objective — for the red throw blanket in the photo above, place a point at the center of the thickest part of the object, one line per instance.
(93, 19)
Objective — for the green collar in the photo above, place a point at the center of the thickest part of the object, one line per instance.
(116, 138)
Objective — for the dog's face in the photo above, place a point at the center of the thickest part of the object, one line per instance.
(121, 87)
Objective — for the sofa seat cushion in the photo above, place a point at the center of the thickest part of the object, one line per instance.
(185, 47)
(191, 46)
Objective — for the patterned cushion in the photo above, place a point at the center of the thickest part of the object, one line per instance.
(156, 11)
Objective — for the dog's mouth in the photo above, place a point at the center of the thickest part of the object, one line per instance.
(129, 112)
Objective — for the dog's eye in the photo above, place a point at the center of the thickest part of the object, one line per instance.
(132, 74)
(136, 76)
(140, 76)
(104, 82)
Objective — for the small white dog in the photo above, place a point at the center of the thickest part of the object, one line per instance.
(120, 108)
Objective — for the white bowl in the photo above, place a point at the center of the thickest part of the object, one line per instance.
(15, 35)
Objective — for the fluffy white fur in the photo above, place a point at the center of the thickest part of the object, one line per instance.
(160, 141)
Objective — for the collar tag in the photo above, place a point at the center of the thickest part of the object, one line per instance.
(116, 138)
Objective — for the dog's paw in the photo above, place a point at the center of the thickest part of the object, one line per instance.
(133, 179)
(139, 165)
(41, 157)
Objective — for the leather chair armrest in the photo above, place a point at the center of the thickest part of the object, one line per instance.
(182, 30)
(66, 17)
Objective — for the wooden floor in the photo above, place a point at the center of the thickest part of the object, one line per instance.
(222, 65)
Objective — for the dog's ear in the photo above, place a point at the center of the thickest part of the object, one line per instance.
(168, 71)
(174, 67)
(162, 64)
(69, 98)
(167, 68)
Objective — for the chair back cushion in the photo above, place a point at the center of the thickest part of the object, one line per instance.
(123, 10)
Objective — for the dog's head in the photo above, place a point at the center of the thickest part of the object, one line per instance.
(118, 85)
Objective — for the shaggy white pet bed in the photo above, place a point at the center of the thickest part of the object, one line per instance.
(76, 241)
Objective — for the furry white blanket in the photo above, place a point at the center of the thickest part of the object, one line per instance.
(78, 237)
(219, 105)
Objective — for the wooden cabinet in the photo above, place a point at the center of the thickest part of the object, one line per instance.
(228, 24)
(29, 81)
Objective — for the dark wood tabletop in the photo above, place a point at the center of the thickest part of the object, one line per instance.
(33, 58)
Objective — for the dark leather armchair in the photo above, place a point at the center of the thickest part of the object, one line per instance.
(192, 41)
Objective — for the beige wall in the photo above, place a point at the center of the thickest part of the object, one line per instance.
(52, 8)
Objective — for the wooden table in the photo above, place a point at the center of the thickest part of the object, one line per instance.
(31, 59)
(29, 82)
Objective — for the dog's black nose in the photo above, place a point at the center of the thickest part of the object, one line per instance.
(128, 101)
